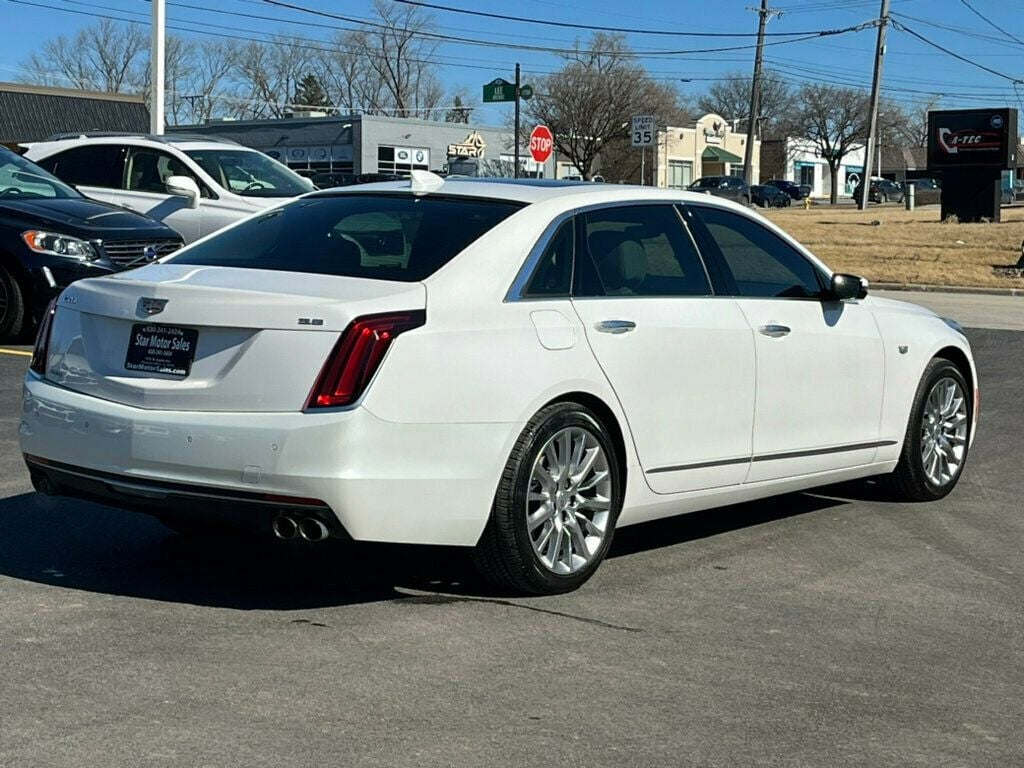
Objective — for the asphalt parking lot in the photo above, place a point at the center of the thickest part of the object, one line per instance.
(819, 629)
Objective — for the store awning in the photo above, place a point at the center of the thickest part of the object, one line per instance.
(717, 155)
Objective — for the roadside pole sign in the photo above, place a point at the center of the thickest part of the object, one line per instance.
(526, 92)
(542, 142)
(642, 134)
(499, 90)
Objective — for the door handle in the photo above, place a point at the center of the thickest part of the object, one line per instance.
(615, 326)
(774, 330)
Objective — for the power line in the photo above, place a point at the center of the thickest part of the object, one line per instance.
(904, 28)
(991, 23)
(571, 51)
(589, 27)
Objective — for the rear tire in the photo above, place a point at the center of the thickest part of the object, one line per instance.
(556, 506)
(12, 306)
(935, 446)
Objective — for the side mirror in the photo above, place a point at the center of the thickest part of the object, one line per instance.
(184, 186)
(848, 287)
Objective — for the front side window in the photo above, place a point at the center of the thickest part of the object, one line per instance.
(98, 165)
(382, 237)
(21, 179)
(250, 173)
(640, 250)
(760, 263)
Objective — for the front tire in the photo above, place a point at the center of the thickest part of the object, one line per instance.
(556, 506)
(936, 444)
(12, 306)
(745, 201)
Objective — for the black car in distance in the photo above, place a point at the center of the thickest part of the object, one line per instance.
(52, 235)
(791, 188)
(768, 196)
(882, 191)
(730, 187)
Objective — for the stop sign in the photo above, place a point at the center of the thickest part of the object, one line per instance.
(541, 143)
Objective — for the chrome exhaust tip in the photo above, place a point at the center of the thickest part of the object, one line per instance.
(312, 529)
(284, 527)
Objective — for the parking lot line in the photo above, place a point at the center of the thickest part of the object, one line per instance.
(19, 352)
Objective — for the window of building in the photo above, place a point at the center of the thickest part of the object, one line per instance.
(680, 174)
(402, 160)
(806, 175)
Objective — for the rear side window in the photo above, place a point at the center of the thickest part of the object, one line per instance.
(99, 165)
(638, 250)
(383, 237)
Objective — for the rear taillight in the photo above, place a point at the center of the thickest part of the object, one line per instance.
(357, 355)
(42, 348)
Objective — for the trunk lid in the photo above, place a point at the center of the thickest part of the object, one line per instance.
(258, 338)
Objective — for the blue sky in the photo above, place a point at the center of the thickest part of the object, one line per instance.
(915, 71)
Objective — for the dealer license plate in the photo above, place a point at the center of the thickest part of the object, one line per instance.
(161, 349)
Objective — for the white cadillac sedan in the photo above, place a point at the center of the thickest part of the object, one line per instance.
(515, 367)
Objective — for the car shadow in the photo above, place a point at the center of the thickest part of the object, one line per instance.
(670, 531)
(80, 545)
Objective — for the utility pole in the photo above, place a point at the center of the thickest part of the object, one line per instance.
(156, 68)
(876, 87)
(764, 13)
(515, 172)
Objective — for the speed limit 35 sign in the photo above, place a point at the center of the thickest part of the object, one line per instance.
(642, 134)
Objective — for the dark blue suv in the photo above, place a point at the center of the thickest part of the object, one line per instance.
(51, 235)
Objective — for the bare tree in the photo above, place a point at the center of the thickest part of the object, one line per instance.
(400, 59)
(834, 120)
(730, 98)
(270, 74)
(588, 103)
(105, 56)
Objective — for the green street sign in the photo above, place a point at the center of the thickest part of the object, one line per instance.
(526, 92)
(499, 90)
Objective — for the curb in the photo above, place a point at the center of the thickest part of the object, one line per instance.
(947, 289)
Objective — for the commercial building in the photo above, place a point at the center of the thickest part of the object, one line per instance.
(800, 161)
(372, 144)
(32, 113)
(707, 148)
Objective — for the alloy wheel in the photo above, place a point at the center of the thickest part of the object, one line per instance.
(944, 432)
(569, 503)
(5, 301)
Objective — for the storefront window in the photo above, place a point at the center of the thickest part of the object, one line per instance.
(402, 160)
(680, 174)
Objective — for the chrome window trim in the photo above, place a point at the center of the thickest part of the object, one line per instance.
(516, 291)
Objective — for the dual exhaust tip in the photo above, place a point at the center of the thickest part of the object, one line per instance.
(287, 528)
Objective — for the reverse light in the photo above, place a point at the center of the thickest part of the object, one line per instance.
(357, 356)
(53, 244)
(42, 349)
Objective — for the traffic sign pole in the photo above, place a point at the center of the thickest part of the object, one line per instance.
(516, 171)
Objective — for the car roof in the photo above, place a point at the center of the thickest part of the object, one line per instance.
(182, 143)
(578, 193)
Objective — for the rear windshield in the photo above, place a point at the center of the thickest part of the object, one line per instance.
(384, 237)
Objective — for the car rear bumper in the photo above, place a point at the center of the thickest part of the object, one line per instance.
(410, 483)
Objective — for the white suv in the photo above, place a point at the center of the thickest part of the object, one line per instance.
(194, 184)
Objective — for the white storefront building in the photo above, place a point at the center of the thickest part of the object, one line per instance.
(801, 161)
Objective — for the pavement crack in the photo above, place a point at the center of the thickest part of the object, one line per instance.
(450, 599)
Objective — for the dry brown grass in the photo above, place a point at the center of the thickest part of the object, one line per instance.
(908, 247)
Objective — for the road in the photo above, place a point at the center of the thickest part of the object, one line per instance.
(823, 629)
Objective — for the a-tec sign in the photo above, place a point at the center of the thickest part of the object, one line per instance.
(972, 138)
